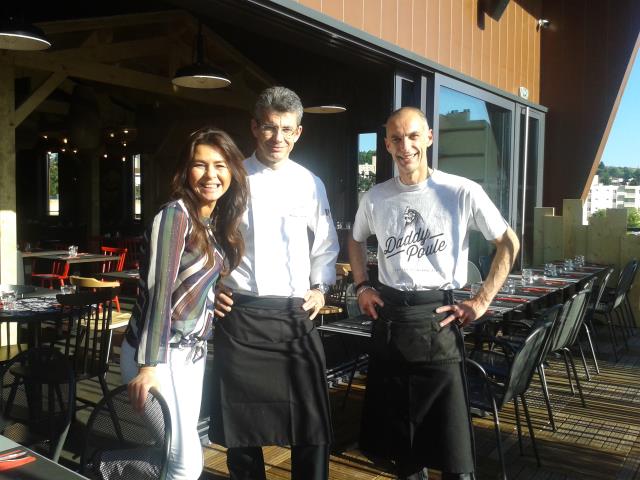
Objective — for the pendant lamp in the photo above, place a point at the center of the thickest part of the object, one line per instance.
(200, 74)
(18, 35)
(326, 107)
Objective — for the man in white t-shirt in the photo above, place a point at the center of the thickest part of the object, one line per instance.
(415, 411)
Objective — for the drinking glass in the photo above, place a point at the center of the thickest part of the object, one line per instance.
(579, 261)
(527, 276)
(550, 270)
(73, 250)
(475, 288)
(9, 300)
(68, 289)
(509, 286)
(568, 265)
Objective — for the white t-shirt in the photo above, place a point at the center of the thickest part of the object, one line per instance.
(423, 229)
(285, 205)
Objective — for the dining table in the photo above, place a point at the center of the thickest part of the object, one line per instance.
(125, 276)
(18, 462)
(522, 301)
(32, 306)
(80, 260)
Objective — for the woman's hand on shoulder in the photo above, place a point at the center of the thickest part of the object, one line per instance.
(139, 386)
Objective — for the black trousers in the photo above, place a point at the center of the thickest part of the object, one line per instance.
(308, 462)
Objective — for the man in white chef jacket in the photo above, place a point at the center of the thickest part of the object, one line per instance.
(269, 370)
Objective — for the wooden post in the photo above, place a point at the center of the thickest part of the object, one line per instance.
(8, 250)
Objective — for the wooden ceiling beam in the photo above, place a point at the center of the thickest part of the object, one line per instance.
(38, 96)
(114, 52)
(127, 78)
(118, 21)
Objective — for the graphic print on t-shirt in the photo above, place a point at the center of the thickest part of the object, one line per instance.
(414, 239)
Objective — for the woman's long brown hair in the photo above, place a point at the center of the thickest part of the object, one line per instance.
(229, 208)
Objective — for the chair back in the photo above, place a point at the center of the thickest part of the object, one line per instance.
(91, 283)
(525, 361)
(61, 268)
(570, 321)
(88, 331)
(625, 282)
(113, 251)
(37, 399)
(597, 292)
(120, 440)
(473, 273)
(134, 250)
(337, 293)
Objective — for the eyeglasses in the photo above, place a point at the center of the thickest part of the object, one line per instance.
(269, 131)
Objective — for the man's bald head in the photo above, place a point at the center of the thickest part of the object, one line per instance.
(402, 111)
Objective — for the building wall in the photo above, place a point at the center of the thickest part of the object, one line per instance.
(584, 58)
(504, 53)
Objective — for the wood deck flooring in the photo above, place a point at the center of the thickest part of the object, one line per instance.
(599, 441)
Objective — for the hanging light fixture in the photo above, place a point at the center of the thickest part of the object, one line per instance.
(326, 107)
(200, 74)
(18, 35)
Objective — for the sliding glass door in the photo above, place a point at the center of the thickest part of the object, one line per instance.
(474, 138)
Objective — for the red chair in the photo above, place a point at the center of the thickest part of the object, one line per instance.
(133, 246)
(114, 266)
(58, 274)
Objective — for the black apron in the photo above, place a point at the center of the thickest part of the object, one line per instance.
(416, 410)
(269, 383)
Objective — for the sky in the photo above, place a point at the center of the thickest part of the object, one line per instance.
(623, 145)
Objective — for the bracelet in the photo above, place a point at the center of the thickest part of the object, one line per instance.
(360, 291)
(362, 284)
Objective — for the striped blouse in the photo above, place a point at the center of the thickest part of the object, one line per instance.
(176, 292)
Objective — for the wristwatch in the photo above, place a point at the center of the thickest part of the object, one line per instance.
(323, 287)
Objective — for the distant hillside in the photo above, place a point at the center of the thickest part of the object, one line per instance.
(630, 176)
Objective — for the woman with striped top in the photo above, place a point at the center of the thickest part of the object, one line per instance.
(193, 240)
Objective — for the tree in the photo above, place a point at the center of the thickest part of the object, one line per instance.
(633, 218)
(366, 157)
(598, 214)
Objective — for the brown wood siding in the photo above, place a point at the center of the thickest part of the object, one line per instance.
(503, 53)
(583, 62)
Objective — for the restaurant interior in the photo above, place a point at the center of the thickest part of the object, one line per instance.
(109, 129)
(100, 121)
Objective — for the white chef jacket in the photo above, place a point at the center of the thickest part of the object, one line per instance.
(285, 205)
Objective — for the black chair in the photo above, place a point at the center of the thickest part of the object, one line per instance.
(563, 336)
(587, 326)
(498, 366)
(88, 334)
(615, 301)
(37, 400)
(121, 443)
(490, 393)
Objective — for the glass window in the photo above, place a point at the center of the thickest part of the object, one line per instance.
(137, 188)
(53, 196)
(474, 141)
(366, 161)
(528, 186)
